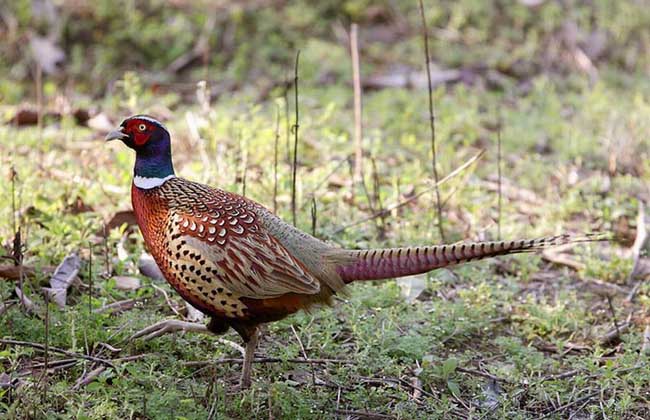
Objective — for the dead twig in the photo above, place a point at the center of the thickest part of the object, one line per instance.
(615, 333)
(555, 256)
(234, 360)
(640, 242)
(26, 302)
(121, 305)
(169, 302)
(276, 142)
(56, 350)
(90, 278)
(396, 381)
(363, 414)
(304, 354)
(356, 83)
(6, 305)
(417, 384)
(571, 404)
(481, 374)
(613, 311)
(314, 216)
(563, 375)
(499, 193)
(645, 347)
(88, 377)
(603, 288)
(13, 175)
(389, 209)
(46, 351)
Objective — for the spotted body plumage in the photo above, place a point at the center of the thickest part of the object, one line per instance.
(213, 249)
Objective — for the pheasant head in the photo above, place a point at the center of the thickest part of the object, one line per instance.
(151, 142)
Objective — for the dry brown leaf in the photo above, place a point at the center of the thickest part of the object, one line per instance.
(127, 282)
(12, 272)
(148, 267)
(118, 219)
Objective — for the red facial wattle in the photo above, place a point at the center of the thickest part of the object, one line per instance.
(140, 138)
(139, 131)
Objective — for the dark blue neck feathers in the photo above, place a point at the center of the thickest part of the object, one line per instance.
(154, 159)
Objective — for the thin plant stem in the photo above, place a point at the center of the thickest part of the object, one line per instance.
(432, 123)
(90, 278)
(314, 216)
(499, 192)
(356, 82)
(275, 159)
(295, 127)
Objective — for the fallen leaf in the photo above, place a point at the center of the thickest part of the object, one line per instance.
(193, 314)
(406, 77)
(12, 272)
(100, 123)
(412, 287)
(491, 392)
(122, 253)
(5, 380)
(119, 218)
(29, 116)
(148, 267)
(81, 116)
(78, 206)
(62, 278)
(25, 117)
(126, 282)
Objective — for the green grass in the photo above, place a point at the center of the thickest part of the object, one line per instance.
(533, 325)
(481, 318)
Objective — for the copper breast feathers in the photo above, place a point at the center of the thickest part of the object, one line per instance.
(217, 250)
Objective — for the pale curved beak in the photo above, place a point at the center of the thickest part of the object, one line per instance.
(116, 135)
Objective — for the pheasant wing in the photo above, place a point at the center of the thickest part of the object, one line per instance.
(223, 228)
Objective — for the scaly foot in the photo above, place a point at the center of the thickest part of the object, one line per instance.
(174, 325)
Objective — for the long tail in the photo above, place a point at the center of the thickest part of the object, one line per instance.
(376, 264)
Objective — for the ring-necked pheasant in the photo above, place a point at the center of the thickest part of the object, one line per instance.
(240, 264)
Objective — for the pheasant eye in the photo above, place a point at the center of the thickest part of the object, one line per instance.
(142, 127)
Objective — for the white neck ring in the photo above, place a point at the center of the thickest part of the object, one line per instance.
(149, 183)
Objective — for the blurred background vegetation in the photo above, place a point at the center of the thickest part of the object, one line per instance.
(87, 46)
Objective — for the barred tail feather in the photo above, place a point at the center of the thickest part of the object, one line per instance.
(376, 264)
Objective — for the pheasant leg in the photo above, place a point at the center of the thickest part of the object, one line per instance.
(251, 345)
